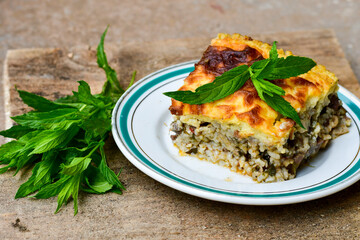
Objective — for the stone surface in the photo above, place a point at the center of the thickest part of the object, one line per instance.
(148, 209)
(64, 23)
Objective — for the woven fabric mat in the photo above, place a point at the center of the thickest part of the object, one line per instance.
(148, 209)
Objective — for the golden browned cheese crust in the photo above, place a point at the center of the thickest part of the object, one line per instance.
(244, 110)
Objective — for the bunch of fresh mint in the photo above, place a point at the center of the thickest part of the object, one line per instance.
(261, 74)
(64, 139)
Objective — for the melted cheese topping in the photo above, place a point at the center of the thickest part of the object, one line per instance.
(244, 111)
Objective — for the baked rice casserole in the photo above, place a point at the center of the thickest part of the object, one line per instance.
(241, 131)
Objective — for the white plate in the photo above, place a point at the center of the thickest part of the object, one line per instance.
(141, 121)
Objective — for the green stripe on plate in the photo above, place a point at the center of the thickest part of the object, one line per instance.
(124, 114)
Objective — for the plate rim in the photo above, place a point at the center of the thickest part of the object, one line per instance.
(215, 195)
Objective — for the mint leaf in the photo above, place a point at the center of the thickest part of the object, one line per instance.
(221, 87)
(116, 190)
(48, 167)
(53, 189)
(98, 184)
(26, 157)
(84, 95)
(132, 80)
(26, 139)
(268, 87)
(42, 175)
(97, 126)
(74, 194)
(280, 68)
(37, 102)
(282, 106)
(28, 187)
(45, 120)
(271, 94)
(112, 86)
(273, 55)
(65, 187)
(77, 166)
(258, 67)
(9, 150)
(50, 139)
(16, 154)
(19, 153)
(96, 181)
(108, 174)
(16, 131)
(290, 66)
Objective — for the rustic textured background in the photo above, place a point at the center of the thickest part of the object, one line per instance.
(64, 23)
(150, 209)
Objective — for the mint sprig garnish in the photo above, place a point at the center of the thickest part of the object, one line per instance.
(64, 140)
(261, 73)
(221, 87)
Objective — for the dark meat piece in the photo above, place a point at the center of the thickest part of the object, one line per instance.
(334, 102)
(193, 150)
(175, 127)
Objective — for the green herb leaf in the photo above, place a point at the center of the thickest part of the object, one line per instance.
(280, 68)
(63, 138)
(96, 181)
(108, 174)
(268, 87)
(50, 139)
(258, 67)
(9, 150)
(74, 194)
(271, 94)
(84, 95)
(16, 154)
(273, 55)
(282, 106)
(45, 120)
(290, 66)
(221, 87)
(132, 80)
(116, 190)
(53, 189)
(65, 187)
(98, 125)
(42, 175)
(16, 131)
(37, 102)
(29, 186)
(48, 167)
(112, 86)
(23, 159)
(77, 166)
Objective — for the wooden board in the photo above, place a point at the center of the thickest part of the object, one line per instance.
(148, 209)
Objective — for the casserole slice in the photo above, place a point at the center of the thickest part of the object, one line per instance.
(241, 131)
